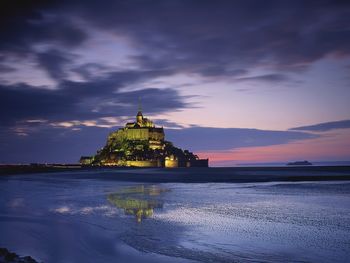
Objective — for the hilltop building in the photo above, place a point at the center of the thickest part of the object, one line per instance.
(142, 144)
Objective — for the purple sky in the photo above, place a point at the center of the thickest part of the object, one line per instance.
(233, 80)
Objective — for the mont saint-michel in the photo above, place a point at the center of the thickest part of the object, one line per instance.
(142, 144)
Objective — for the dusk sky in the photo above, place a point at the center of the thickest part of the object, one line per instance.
(234, 81)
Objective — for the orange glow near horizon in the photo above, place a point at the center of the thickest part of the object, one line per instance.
(330, 146)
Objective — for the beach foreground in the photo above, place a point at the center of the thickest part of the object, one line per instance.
(90, 216)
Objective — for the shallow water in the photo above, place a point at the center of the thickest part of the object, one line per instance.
(57, 218)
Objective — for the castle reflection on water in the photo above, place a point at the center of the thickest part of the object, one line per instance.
(139, 201)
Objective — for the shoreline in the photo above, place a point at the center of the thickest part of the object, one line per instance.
(188, 175)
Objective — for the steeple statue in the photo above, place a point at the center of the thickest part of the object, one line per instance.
(139, 104)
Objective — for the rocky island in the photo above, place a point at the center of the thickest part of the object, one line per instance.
(300, 163)
(142, 144)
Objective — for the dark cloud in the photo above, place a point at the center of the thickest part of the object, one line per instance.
(90, 70)
(6, 69)
(53, 61)
(97, 98)
(214, 38)
(326, 126)
(266, 78)
(205, 37)
(22, 101)
(57, 145)
(208, 138)
(26, 23)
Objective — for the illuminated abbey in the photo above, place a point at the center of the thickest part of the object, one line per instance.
(142, 144)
